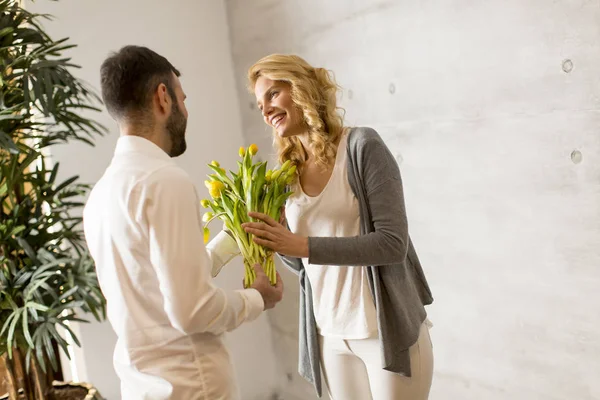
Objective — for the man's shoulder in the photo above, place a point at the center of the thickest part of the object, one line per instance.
(168, 180)
(128, 183)
(167, 173)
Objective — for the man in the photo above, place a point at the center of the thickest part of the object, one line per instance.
(144, 232)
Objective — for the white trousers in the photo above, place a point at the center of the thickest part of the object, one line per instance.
(352, 370)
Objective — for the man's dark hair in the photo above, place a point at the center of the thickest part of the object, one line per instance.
(129, 78)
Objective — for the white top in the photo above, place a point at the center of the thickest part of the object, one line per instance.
(143, 228)
(343, 303)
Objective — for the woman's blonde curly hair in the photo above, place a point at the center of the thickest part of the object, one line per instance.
(314, 91)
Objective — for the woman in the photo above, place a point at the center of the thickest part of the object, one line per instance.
(363, 293)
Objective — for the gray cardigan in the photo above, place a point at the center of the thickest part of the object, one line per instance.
(395, 276)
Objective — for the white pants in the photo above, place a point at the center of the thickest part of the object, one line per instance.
(352, 370)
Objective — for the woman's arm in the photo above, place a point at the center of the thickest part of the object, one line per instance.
(387, 244)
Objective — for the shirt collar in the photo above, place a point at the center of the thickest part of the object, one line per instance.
(127, 144)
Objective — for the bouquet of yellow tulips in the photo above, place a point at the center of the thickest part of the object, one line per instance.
(252, 188)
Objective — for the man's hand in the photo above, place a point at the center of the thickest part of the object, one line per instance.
(271, 294)
(276, 237)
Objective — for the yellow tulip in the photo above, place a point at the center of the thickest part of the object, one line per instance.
(253, 149)
(215, 189)
(286, 165)
(292, 170)
(206, 232)
(208, 184)
(242, 152)
(275, 174)
(205, 203)
(268, 175)
(207, 216)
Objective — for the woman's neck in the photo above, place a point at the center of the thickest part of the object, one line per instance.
(305, 141)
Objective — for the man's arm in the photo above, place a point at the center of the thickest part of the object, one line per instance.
(221, 250)
(179, 257)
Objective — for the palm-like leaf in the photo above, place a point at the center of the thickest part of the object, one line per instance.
(47, 278)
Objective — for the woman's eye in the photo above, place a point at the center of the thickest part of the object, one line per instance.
(273, 94)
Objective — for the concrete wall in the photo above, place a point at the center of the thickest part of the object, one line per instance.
(484, 104)
(194, 36)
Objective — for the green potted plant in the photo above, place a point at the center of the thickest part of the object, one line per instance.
(47, 278)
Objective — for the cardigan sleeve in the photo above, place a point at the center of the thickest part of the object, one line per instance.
(388, 242)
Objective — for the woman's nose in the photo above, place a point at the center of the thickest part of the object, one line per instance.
(267, 110)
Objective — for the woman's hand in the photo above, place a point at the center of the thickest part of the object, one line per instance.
(273, 235)
(282, 216)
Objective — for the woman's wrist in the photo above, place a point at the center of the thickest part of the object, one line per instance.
(304, 249)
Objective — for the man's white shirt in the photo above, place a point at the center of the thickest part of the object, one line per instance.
(143, 227)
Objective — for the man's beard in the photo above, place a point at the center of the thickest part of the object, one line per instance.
(176, 125)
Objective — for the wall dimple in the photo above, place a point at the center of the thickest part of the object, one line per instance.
(576, 157)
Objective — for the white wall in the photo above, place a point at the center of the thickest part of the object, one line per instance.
(472, 98)
(193, 35)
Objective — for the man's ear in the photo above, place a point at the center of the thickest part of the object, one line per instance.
(163, 98)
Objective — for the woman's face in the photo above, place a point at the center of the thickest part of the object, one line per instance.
(277, 107)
